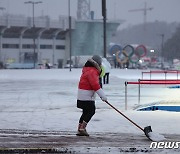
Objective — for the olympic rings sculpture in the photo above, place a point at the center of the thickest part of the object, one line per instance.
(128, 53)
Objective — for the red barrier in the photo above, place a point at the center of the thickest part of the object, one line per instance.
(155, 82)
(158, 80)
(142, 81)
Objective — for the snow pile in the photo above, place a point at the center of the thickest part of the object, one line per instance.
(154, 136)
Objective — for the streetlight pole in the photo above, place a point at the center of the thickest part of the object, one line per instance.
(34, 37)
(162, 48)
(70, 52)
(1, 8)
(104, 24)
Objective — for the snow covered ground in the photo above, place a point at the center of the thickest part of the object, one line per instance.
(45, 99)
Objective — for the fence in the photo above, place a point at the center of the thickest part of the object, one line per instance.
(165, 72)
(150, 82)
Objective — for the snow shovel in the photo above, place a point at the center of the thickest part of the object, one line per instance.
(146, 130)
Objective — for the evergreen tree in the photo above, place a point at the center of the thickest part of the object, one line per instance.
(172, 46)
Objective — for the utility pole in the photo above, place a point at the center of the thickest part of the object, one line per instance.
(162, 48)
(70, 52)
(104, 24)
(144, 10)
(1, 8)
(34, 37)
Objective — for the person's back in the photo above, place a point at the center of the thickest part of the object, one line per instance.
(107, 69)
(106, 65)
(88, 86)
(89, 81)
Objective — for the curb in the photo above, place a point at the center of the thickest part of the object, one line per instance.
(34, 150)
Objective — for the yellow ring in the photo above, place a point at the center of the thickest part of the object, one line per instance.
(124, 60)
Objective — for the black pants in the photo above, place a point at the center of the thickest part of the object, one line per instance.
(106, 78)
(88, 110)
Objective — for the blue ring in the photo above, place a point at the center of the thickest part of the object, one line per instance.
(115, 48)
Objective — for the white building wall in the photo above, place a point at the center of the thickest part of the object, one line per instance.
(10, 55)
(44, 55)
(8, 22)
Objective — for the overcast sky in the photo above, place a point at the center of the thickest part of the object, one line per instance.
(163, 10)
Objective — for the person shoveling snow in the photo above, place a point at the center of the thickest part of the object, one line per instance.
(89, 85)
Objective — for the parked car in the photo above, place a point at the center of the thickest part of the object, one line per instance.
(165, 66)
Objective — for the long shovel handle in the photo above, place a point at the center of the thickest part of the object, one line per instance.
(124, 116)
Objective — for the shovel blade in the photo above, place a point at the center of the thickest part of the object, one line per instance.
(147, 130)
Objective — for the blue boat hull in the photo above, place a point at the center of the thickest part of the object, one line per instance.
(164, 108)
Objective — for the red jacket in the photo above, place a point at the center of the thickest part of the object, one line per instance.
(88, 84)
(89, 79)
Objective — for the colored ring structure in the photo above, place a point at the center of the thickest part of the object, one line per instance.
(143, 49)
(115, 48)
(128, 53)
(120, 59)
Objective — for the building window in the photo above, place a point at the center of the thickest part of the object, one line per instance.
(43, 46)
(60, 47)
(27, 46)
(12, 46)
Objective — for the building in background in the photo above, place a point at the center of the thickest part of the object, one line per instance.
(51, 39)
(16, 39)
(87, 38)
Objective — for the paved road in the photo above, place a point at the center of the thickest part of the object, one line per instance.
(22, 141)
